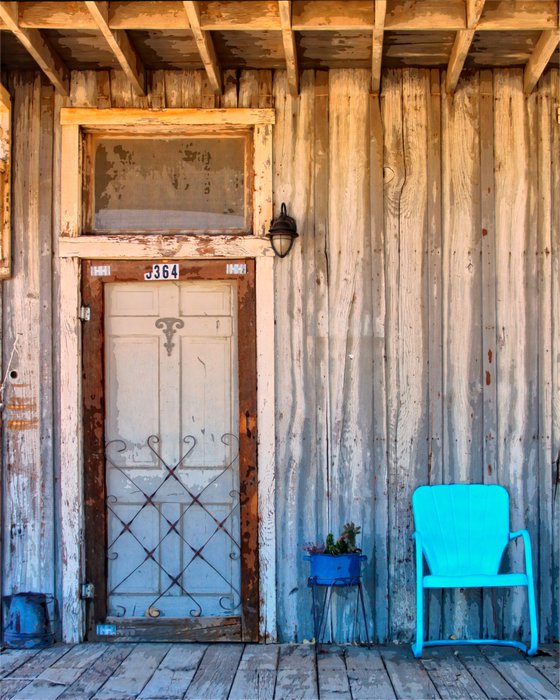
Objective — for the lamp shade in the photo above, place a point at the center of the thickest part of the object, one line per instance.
(282, 232)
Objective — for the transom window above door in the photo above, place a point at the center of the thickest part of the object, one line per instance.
(168, 183)
(162, 184)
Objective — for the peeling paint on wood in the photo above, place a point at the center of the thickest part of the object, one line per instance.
(416, 325)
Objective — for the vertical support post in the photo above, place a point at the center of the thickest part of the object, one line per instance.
(266, 447)
(71, 473)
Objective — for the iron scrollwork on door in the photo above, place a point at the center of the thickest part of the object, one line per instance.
(170, 326)
(127, 526)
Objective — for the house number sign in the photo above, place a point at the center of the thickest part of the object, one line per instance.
(163, 271)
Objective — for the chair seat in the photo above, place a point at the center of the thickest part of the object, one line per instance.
(475, 581)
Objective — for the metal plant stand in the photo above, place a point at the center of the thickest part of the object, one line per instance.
(320, 617)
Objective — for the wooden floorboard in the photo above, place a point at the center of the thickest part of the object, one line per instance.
(256, 676)
(527, 680)
(332, 676)
(133, 674)
(493, 684)
(450, 676)
(409, 679)
(214, 677)
(150, 671)
(87, 685)
(10, 659)
(548, 663)
(53, 681)
(175, 673)
(297, 674)
(366, 670)
(25, 674)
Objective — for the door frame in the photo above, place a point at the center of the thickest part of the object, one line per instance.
(72, 247)
(243, 627)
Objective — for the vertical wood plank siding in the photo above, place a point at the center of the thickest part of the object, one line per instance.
(463, 314)
(417, 322)
(28, 415)
(461, 381)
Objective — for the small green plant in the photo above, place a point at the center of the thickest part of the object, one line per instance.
(345, 544)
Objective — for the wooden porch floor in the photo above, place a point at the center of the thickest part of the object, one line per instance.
(240, 672)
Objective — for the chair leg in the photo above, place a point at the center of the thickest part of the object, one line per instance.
(532, 617)
(419, 642)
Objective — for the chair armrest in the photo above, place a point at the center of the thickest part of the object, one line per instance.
(527, 547)
(419, 555)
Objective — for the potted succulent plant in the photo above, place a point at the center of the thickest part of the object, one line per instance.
(337, 562)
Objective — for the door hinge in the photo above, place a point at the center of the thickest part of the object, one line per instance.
(85, 313)
(87, 591)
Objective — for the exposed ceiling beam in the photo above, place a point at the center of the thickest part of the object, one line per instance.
(474, 11)
(290, 50)
(334, 15)
(377, 45)
(120, 45)
(450, 15)
(462, 44)
(459, 52)
(205, 46)
(545, 47)
(520, 15)
(5, 101)
(242, 14)
(46, 57)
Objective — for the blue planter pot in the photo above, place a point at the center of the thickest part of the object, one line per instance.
(340, 570)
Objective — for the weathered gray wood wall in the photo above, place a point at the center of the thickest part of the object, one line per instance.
(417, 326)
(417, 320)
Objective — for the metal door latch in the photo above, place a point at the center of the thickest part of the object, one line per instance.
(87, 591)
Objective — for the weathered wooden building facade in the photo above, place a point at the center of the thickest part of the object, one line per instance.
(411, 336)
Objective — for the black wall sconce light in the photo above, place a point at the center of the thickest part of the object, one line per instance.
(283, 232)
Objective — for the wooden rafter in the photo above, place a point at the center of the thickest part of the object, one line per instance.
(5, 101)
(546, 46)
(288, 39)
(45, 56)
(286, 19)
(459, 52)
(205, 45)
(474, 11)
(428, 15)
(462, 44)
(120, 45)
(377, 44)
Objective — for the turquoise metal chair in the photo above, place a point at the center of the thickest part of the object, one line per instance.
(462, 530)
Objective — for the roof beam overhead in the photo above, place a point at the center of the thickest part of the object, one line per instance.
(545, 47)
(474, 11)
(120, 45)
(377, 44)
(310, 15)
(46, 57)
(205, 46)
(290, 50)
(462, 44)
(5, 101)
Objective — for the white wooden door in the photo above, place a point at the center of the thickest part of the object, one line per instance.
(172, 456)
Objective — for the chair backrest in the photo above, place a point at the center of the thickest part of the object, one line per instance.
(464, 527)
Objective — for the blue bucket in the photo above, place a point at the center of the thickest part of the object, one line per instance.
(27, 624)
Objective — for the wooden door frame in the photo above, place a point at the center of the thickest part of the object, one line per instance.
(72, 247)
(95, 511)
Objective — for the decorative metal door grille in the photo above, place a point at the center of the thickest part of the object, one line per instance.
(173, 576)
